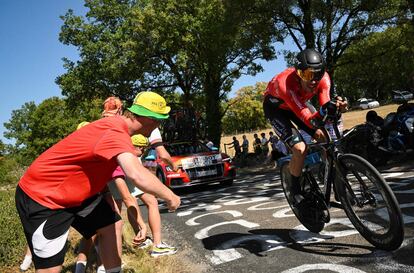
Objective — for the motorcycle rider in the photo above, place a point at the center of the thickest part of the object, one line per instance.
(285, 101)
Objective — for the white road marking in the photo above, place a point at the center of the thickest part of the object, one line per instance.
(330, 267)
(203, 233)
(192, 221)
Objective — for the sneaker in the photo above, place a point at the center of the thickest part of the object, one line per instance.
(163, 249)
(148, 242)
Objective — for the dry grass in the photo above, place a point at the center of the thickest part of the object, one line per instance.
(134, 260)
(350, 119)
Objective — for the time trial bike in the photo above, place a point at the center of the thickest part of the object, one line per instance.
(334, 178)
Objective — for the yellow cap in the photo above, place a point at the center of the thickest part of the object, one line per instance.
(150, 104)
(83, 123)
(139, 140)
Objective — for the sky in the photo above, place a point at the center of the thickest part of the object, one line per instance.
(31, 54)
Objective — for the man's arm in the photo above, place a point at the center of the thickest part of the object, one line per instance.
(146, 181)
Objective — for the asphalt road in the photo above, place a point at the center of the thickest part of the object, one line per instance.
(249, 227)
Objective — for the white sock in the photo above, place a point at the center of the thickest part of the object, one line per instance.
(100, 269)
(27, 261)
(80, 267)
(114, 270)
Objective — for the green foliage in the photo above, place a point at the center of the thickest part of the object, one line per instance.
(377, 65)
(10, 171)
(332, 26)
(2, 148)
(36, 128)
(11, 231)
(245, 110)
(188, 45)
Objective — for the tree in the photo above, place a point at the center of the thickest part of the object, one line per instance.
(36, 128)
(195, 46)
(388, 66)
(107, 66)
(245, 110)
(332, 26)
(2, 148)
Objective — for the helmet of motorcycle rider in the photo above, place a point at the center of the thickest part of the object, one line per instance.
(371, 115)
(310, 65)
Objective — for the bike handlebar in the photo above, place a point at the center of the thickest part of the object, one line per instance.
(332, 114)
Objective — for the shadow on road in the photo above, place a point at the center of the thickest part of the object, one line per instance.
(260, 241)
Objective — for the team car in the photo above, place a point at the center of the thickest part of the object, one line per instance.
(197, 165)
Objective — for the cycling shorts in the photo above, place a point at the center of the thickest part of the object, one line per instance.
(282, 121)
(47, 230)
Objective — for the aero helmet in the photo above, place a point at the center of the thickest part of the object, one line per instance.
(310, 65)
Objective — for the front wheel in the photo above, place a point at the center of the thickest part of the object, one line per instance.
(369, 202)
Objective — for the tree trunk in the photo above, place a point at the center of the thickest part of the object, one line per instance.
(308, 31)
(213, 110)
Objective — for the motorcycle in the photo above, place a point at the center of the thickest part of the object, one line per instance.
(377, 140)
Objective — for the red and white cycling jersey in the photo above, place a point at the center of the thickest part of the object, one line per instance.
(286, 86)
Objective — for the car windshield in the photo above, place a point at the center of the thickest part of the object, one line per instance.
(186, 148)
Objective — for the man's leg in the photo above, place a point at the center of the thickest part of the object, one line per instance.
(298, 159)
(46, 232)
(295, 169)
(108, 247)
(154, 217)
(84, 250)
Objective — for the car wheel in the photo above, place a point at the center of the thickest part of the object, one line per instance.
(227, 183)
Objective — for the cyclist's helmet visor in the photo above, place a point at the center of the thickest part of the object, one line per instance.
(310, 74)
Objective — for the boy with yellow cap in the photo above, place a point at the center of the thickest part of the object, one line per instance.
(159, 248)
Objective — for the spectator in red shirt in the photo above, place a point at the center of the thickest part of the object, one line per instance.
(60, 189)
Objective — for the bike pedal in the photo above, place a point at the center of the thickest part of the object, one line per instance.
(334, 204)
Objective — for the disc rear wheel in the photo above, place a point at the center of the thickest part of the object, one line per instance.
(315, 215)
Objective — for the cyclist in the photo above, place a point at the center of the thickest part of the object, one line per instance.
(285, 101)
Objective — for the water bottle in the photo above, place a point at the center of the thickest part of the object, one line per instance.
(312, 159)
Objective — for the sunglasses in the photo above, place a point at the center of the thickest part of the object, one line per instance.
(310, 74)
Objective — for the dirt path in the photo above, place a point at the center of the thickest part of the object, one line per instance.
(350, 118)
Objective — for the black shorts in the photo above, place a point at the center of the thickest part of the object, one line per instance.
(281, 121)
(47, 229)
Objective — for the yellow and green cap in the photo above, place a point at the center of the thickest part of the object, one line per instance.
(83, 123)
(150, 104)
(139, 140)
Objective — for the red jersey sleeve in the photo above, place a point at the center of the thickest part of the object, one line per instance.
(287, 88)
(324, 89)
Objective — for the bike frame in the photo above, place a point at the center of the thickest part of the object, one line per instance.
(331, 167)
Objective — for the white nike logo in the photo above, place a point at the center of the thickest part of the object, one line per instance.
(45, 248)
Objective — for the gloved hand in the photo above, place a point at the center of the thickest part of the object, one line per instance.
(329, 111)
(317, 123)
